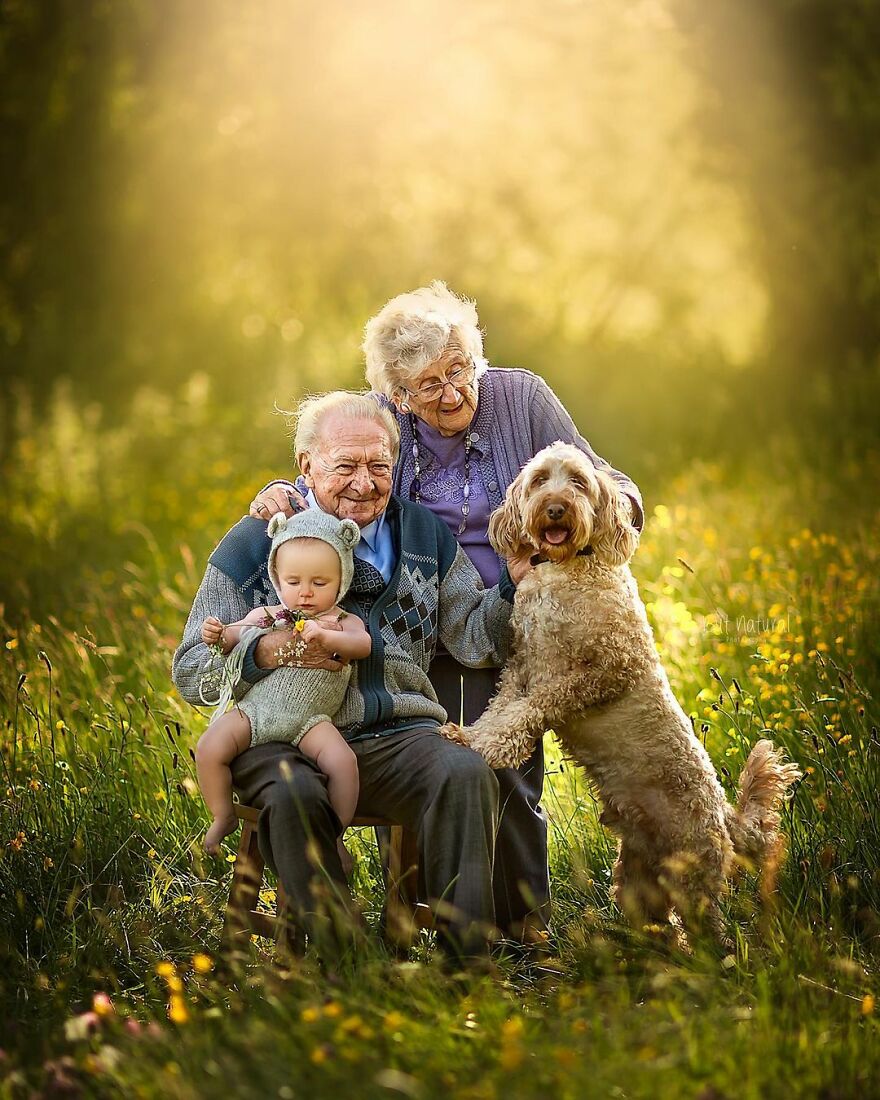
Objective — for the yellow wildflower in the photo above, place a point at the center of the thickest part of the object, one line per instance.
(202, 963)
(177, 1010)
(512, 1029)
(511, 1057)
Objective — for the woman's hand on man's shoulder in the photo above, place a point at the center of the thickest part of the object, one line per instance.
(280, 496)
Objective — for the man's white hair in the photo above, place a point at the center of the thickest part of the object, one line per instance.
(413, 330)
(312, 411)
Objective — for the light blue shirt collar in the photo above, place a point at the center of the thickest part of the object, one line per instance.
(372, 533)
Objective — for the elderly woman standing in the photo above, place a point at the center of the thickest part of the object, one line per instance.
(466, 431)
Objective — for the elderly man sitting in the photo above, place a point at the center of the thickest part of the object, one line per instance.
(412, 586)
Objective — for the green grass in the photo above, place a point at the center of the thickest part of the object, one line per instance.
(764, 597)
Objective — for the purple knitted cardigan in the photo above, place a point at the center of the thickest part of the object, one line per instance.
(517, 416)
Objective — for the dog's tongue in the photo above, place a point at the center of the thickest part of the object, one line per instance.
(556, 535)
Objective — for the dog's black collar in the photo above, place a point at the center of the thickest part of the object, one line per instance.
(536, 559)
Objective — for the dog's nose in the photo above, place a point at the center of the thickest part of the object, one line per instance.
(555, 511)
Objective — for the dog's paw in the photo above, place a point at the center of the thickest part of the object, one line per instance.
(453, 732)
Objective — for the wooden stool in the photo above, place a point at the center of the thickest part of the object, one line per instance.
(403, 913)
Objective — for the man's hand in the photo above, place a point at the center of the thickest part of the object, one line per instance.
(290, 647)
(277, 498)
(518, 566)
(212, 631)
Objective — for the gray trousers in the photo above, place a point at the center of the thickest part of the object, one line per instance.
(445, 793)
(521, 878)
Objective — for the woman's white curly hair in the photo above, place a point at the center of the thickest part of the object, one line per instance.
(413, 330)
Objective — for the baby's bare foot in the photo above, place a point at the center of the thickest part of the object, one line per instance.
(221, 827)
(345, 858)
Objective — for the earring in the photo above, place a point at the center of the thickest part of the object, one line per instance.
(404, 407)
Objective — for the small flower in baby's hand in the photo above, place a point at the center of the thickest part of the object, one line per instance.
(285, 615)
(299, 626)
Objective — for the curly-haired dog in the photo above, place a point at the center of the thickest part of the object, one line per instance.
(584, 663)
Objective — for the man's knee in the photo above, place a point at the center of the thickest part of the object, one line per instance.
(299, 787)
(466, 777)
(294, 797)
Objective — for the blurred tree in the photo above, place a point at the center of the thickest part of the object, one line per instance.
(57, 61)
(790, 108)
(233, 189)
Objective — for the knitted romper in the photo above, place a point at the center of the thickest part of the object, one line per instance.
(287, 704)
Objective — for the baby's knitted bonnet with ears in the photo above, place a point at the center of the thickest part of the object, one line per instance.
(342, 534)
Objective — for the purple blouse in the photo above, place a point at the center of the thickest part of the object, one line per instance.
(517, 415)
(442, 490)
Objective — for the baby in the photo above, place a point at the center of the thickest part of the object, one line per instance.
(311, 566)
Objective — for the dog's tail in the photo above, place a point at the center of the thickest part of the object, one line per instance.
(754, 821)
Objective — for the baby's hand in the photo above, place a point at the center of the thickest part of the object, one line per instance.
(212, 631)
(311, 630)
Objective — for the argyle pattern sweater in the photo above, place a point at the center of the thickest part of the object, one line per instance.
(434, 593)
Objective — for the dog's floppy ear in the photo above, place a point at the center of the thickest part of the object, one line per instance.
(505, 523)
(614, 537)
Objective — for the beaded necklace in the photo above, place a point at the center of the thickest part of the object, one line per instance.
(417, 478)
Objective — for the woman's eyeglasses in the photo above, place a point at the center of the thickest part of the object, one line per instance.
(459, 378)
